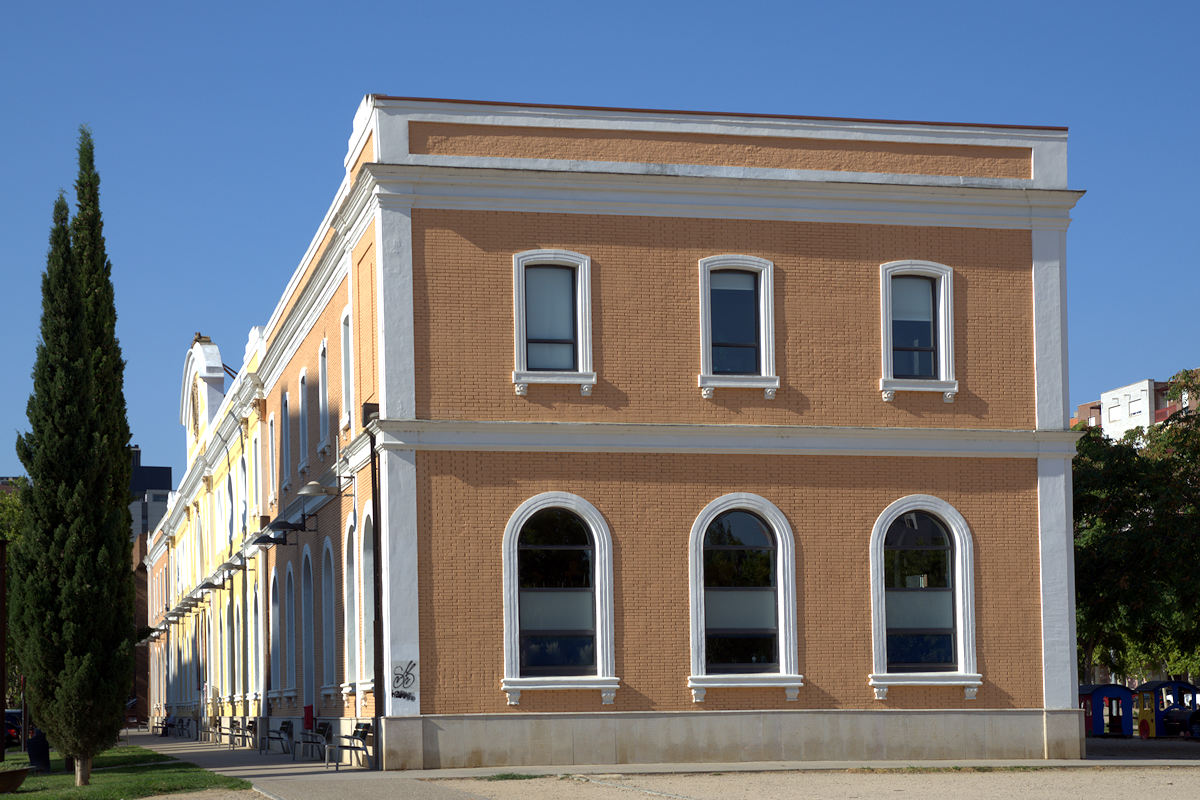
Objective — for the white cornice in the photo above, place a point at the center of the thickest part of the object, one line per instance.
(742, 197)
(608, 437)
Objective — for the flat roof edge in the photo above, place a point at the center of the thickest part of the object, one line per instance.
(504, 104)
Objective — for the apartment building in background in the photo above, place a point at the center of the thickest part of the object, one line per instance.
(594, 435)
(1136, 406)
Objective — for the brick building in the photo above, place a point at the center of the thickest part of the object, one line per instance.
(647, 415)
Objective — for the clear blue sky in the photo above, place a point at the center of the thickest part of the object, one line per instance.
(220, 130)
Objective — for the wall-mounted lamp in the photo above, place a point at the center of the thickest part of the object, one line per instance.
(315, 489)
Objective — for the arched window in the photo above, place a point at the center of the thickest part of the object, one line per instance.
(350, 606)
(328, 634)
(276, 647)
(368, 600)
(558, 598)
(289, 627)
(308, 630)
(741, 629)
(742, 589)
(922, 597)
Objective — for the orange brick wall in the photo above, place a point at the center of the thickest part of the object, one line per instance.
(365, 356)
(650, 502)
(502, 141)
(645, 320)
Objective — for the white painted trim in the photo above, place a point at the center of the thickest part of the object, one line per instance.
(943, 278)
(605, 678)
(1050, 329)
(396, 368)
(351, 606)
(730, 197)
(601, 437)
(583, 376)
(1056, 553)
(788, 675)
(763, 271)
(964, 600)
(401, 609)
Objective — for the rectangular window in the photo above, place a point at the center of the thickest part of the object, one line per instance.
(347, 382)
(734, 304)
(274, 476)
(550, 318)
(914, 329)
(302, 419)
(737, 324)
(323, 397)
(285, 444)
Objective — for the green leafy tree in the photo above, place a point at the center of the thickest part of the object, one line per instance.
(1137, 544)
(73, 593)
(11, 525)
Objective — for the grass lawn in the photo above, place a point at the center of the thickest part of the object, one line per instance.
(121, 773)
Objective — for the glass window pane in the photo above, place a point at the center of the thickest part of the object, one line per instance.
(931, 609)
(912, 298)
(739, 608)
(739, 568)
(740, 529)
(921, 650)
(555, 569)
(562, 655)
(734, 307)
(906, 333)
(735, 360)
(555, 527)
(557, 611)
(740, 653)
(916, 529)
(550, 302)
(917, 569)
(541, 355)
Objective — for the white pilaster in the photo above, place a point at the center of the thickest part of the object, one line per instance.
(1057, 558)
(1050, 328)
(400, 682)
(394, 325)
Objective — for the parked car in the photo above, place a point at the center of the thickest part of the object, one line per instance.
(12, 727)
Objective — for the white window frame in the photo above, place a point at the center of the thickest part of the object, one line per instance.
(583, 375)
(323, 398)
(302, 419)
(766, 379)
(285, 446)
(966, 675)
(350, 609)
(329, 681)
(605, 679)
(272, 460)
(788, 676)
(347, 334)
(943, 277)
(276, 641)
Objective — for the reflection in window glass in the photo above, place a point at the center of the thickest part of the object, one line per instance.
(734, 314)
(550, 318)
(919, 596)
(740, 605)
(556, 604)
(914, 353)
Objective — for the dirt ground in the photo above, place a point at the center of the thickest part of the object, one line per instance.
(1162, 783)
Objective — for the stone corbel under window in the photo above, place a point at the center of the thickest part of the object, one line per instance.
(585, 380)
(700, 684)
(889, 387)
(607, 686)
(348, 689)
(709, 383)
(968, 680)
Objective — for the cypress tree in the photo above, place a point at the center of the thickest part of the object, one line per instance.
(72, 583)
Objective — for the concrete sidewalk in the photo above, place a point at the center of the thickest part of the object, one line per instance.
(279, 777)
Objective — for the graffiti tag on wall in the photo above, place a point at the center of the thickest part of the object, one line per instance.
(404, 677)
